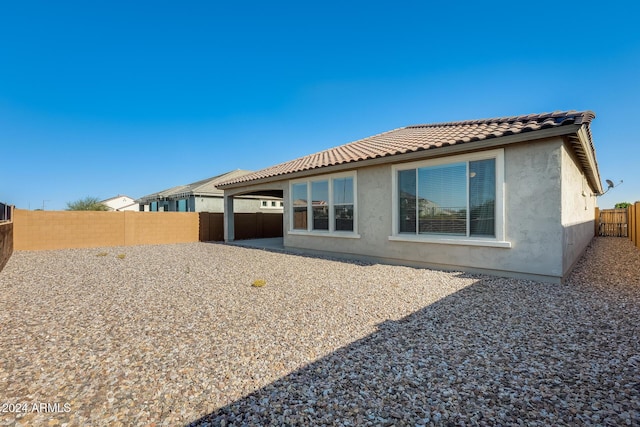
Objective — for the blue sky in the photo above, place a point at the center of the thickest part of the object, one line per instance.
(104, 98)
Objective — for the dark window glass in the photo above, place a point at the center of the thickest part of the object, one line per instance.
(442, 201)
(320, 204)
(407, 192)
(299, 197)
(482, 197)
(344, 217)
(343, 203)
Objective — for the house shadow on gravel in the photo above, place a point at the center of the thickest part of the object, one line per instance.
(499, 352)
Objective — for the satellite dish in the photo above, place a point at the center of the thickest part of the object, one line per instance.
(611, 185)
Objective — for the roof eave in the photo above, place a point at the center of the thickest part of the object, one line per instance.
(208, 194)
(583, 147)
(415, 155)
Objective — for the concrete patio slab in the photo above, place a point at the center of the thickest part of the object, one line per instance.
(273, 243)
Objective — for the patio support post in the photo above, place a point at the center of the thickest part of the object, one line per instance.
(229, 227)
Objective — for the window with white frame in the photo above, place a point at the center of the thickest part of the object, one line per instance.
(324, 204)
(458, 197)
(343, 203)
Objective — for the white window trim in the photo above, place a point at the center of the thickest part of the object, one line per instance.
(332, 232)
(497, 241)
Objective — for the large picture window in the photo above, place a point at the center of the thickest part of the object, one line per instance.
(456, 199)
(324, 204)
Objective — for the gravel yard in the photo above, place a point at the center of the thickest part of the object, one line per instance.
(176, 335)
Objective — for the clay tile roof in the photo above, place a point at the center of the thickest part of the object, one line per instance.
(420, 137)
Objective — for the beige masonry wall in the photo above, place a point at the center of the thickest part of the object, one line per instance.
(39, 230)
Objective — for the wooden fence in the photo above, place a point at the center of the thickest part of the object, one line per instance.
(247, 226)
(613, 223)
(633, 214)
(619, 223)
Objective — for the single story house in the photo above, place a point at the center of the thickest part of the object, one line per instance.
(204, 196)
(121, 203)
(510, 196)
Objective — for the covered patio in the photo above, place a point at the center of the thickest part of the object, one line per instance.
(273, 190)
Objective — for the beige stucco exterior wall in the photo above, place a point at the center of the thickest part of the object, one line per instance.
(578, 207)
(122, 203)
(208, 204)
(241, 205)
(216, 204)
(533, 221)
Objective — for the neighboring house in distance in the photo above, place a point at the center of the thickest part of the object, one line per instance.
(204, 196)
(510, 196)
(121, 203)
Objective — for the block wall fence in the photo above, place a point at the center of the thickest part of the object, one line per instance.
(42, 230)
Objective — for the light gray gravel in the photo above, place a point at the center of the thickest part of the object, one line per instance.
(176, 334)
